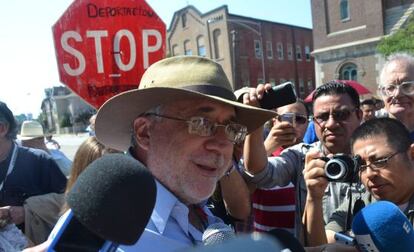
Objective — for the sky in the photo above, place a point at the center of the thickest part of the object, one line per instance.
(28, 61)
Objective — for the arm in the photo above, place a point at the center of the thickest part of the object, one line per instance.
(255, 156)
(236, 195)
(316, 184)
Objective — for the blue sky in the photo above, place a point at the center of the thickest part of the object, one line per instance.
(28, 62)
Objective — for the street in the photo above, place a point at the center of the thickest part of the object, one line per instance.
(69, 143)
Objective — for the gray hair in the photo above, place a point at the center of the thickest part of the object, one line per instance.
(155, 110)
(398, 56)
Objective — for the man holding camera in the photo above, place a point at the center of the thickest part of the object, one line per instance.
(386, 170)
(337, 115)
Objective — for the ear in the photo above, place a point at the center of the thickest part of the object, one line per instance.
(358, 113)
(411, 152)
(142, 132)
(4, 129)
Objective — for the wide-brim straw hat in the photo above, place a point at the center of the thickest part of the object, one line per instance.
(31, 130)
(168, 80)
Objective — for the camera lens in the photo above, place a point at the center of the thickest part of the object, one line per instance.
(335, 169)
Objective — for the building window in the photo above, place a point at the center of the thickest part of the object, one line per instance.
(301, 88)
(269, 50)
(344, 10)
(201, 48)
(184, 20)
(174, 50)
(187, 48)
(310, 86)
(298, 53)
(216, 39)
(258, 49)
(290, 51)
(348, 72)
(307, 53)
(280, 51)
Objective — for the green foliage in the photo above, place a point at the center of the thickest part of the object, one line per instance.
(65, 121)
(401, 41)
(84, 117)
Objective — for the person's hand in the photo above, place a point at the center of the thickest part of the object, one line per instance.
(252, 98)
(281, 134)
(314, 175)
(39, 248)
(16, 214)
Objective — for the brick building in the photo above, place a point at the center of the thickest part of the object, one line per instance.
(346, 34)
(236, 43)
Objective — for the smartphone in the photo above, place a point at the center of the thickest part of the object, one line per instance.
(72, 236)
(288, 117)
(278, 96)
(345, 239)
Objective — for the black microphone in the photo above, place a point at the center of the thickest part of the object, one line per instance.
(111, 203)
(217, 233)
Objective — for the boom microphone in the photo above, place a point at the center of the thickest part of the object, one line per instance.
(382, 226)
(111, 203)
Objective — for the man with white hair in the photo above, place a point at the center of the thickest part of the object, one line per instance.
(397, 88)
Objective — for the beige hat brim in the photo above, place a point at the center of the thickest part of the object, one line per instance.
(114, 119)
(23, 138)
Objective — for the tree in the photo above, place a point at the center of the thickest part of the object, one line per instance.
(400, 41)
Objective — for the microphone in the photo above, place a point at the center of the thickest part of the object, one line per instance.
(286, 239)
(111, 203)
(217, 233)
(382, 226)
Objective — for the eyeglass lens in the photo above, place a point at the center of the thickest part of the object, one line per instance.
(406, 88)
(339, 116)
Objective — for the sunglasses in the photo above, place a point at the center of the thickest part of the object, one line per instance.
(235, 133)
(406, 87)
(292, 118)
(338, 116)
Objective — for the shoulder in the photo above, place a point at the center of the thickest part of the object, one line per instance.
(31, 152)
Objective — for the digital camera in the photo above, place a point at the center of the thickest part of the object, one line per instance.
(342, 168)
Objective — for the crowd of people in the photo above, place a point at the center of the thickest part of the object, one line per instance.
(217, 156)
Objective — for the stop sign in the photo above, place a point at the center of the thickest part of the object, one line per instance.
(103, 47)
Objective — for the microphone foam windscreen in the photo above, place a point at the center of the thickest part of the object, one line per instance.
(217, 233)
(114, 198)
(382, 226)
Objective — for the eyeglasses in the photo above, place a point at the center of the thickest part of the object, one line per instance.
(378, 164)
(338, 116)
(201, 126)
(301, 119)
(406, 87)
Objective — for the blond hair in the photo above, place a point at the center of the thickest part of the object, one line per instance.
(90, 150)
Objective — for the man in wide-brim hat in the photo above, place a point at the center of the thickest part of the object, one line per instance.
(181, 123)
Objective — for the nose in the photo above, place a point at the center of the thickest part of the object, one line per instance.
(331, 122)
(370, 173)
(219, 141)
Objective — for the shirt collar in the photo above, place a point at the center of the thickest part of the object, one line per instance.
(165, 203)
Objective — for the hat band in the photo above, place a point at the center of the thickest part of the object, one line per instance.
(212, 90)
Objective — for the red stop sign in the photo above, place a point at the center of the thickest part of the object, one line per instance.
(103, 47)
